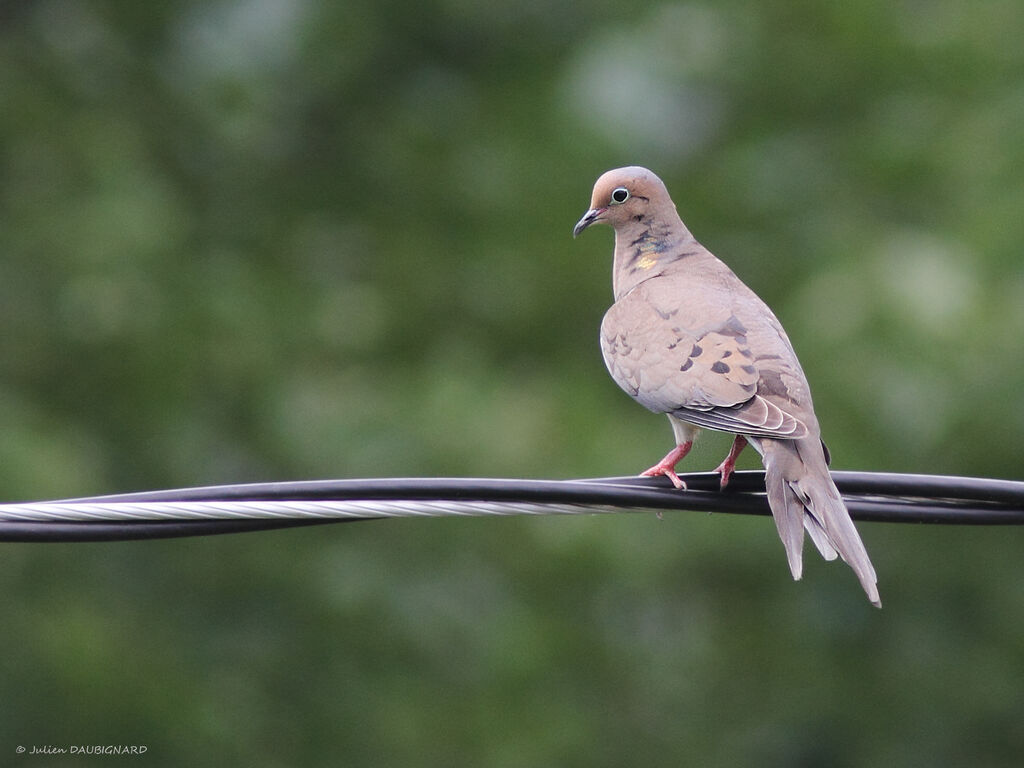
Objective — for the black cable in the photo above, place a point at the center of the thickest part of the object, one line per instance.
(879, 497)
(60, 531)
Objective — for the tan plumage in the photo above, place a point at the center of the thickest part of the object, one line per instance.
(688, 338)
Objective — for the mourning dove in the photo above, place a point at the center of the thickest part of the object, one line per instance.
(685, 337)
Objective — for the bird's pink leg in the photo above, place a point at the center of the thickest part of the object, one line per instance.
(667, 466)
(725, 469)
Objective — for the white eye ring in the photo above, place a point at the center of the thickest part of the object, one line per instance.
(619, 195)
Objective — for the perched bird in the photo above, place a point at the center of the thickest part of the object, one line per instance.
(687, 338)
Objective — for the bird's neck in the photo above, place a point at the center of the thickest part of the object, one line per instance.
(644, 248)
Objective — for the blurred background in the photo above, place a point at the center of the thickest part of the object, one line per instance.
(260, 240)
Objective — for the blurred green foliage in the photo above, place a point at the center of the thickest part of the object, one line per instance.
(269, 239)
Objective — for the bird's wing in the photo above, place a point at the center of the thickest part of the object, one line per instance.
(695, 363)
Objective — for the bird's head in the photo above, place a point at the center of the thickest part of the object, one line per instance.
(622, 196)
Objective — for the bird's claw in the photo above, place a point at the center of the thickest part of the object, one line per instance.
(668, 472)
(725, 469)
(728, 465)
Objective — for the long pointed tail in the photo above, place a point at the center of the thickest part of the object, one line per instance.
(802, 496)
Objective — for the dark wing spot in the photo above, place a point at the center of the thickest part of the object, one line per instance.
(696, 351)
(771, 383)
(748, 369)
(720, 367)
(726, 354)
(686, 366)
(746, 353)
(733, 327)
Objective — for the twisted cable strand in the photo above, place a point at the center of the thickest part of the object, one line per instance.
(275, 510)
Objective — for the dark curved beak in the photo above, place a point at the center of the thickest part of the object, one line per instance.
(588, 218)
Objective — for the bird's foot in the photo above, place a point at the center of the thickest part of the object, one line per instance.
(668, 472)
(667, 466)
(728, 465)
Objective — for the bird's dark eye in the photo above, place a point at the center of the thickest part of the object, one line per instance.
(620, 195)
